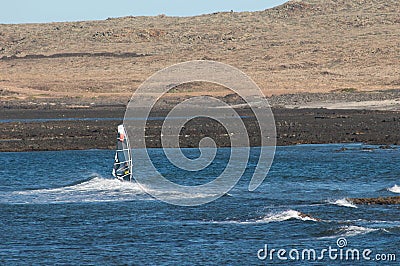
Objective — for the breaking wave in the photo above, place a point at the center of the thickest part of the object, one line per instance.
(287, 215)
(394, 189)
(350, 231)
(276, 217)
(353, 230)
(343, 203)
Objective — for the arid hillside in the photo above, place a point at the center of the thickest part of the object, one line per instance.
(300, 46)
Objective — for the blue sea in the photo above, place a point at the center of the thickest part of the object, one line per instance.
(64, 208)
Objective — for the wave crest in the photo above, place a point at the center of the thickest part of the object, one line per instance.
(275, 217)
(394, 189)
(288, 215)
(353, 230)
(343, 203)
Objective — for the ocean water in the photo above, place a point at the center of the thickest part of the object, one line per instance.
(64, 208)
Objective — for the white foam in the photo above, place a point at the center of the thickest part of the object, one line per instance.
(287, 215)
(275, 217)
(343, 202)
(94, 184)
(353, 230)
(97, 189)
(394, 189)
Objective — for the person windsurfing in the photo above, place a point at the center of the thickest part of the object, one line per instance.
(122, 159)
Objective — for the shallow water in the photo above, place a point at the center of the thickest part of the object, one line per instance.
(64, 208)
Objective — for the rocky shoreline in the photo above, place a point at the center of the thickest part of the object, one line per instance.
(377, 201)
(95, 128)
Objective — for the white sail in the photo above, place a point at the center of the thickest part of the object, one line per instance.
(122, 160)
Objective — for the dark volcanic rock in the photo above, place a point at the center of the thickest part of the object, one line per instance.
(378, 201)
(303, 126)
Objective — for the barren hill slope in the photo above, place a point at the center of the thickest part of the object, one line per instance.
(300, 46)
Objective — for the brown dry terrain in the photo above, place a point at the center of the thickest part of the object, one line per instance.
(300, 46)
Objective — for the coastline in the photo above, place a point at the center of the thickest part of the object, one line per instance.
(95, 128)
